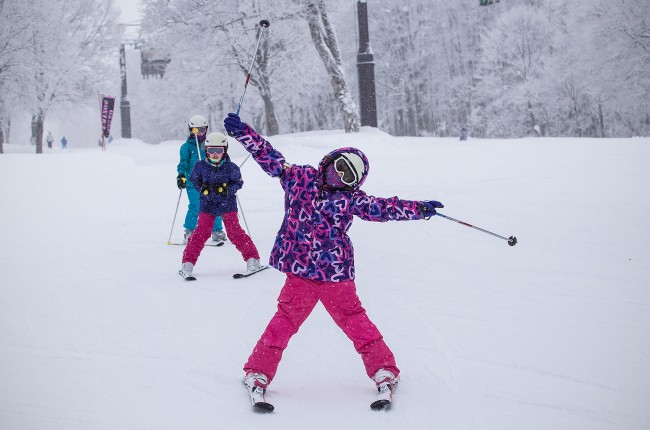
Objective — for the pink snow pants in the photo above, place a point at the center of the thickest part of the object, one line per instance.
(235, 233)
(296, 301)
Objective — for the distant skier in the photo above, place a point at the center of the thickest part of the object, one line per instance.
(314, 250)
(463, 134)
(49, 139)
(64, 142)
(217, 179)
(191, 152)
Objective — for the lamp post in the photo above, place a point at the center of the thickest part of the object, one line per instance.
(366, 69)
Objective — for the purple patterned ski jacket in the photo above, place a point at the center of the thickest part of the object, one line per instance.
(312, 241)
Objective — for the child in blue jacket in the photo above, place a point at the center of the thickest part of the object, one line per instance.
(192, 152)
(217, 179)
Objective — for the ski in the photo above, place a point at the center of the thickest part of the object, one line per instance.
(247, 274)
(187, 278)
(263, 407)
(220, 243)
(380, 405)
(384, 398)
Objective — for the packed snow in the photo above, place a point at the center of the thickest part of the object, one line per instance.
(100, 332)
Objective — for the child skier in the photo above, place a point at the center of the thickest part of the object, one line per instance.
(313, 249)
(191, 152)
(217, 179)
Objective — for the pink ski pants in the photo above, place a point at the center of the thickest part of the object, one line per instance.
(235, 233)
(296, 301)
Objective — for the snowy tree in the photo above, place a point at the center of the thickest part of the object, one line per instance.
(400, 69)
(514, 52)
(324, 39)
(63, 57)
(426, 53)
(618, 79)
(521, 67)
(15, 36)
(204, 41)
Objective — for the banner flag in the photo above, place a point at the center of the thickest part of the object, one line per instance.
(108, 104)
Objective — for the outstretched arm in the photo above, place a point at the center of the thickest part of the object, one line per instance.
(269, 159)
(381, 209)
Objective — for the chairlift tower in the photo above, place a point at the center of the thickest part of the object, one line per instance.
(366, 69)
(125, 105)
(152, 64)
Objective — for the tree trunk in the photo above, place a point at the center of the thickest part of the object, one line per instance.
(37, 130)
(262, 81)
(329, 53)
(264, 86)
(2, 135)
(530, 117)
(601, 121)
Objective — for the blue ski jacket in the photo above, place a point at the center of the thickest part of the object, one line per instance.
(210, 178)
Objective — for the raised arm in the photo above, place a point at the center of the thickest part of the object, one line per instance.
(269, 159)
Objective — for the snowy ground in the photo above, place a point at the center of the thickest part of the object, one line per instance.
(99, 332)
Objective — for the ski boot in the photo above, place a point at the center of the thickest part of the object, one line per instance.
(386, 383)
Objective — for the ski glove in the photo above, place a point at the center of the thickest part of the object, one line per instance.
(428, 208)
(233, 125)
(180, 181)
(221, 189)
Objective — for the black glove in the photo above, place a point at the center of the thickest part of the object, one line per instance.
(221, 189)
(180, 181)
(428, 208)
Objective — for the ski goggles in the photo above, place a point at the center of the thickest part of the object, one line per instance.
(215, 150)
(199, 130)
(346, 171)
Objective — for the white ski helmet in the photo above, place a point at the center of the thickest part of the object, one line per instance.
(351, 167)
(349, 164)
(197, 121)
(216, 139)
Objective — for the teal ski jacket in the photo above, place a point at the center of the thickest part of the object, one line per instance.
(189, 157)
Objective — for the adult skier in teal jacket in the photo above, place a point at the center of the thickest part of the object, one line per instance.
(189, 152)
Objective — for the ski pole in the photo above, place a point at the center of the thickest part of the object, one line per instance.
(264, 24)
(245, 160)
(512, 241)
(196, 139)
(241, 209)
(169, 241)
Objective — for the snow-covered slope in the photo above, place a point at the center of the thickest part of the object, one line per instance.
(99, 332)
